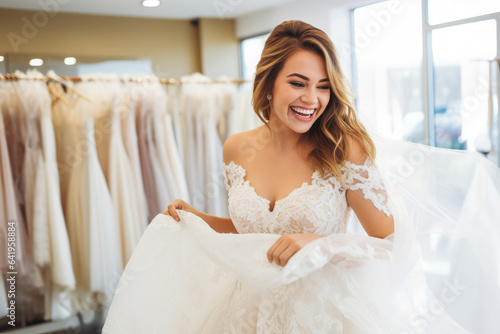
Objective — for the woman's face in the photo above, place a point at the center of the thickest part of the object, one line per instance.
(301, 91)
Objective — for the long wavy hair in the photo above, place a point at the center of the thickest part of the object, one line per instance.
(331, 132)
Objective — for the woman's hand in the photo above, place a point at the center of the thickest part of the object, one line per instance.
(178, 204)
(287, 245)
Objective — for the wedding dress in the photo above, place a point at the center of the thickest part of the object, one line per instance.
(159, 95)
(130, 141)
(215, 194)
(177, 121)
(59, 254)
(186, 278)
(174, 157)
(122, 187)
(190, 104)
(146, 164)
(31, 133)
(93, 228)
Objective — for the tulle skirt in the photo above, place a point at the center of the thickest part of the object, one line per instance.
(437, 273)
(186, 278)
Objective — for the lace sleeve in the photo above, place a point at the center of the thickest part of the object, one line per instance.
(226, 180)
(366, 181)
(233, 174)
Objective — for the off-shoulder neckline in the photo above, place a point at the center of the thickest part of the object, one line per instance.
(314, 176)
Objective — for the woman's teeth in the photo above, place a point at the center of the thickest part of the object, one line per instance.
(304, 113)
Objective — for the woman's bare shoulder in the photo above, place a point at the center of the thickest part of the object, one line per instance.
(230, 148)
(241, 144)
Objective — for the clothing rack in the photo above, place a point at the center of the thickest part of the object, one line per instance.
(166, 81)
(56, 85)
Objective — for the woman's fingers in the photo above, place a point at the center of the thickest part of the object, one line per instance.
(177, 204)
(172, 209)
(286, 255)
(282, 250)
(270, 252)
(277, 252)
(173, 212)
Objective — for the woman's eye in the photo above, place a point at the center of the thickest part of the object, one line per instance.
(299, 84)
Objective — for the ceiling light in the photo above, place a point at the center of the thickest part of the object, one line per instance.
(70, 60)
(36, 62)
(151, 3)
(1, 58)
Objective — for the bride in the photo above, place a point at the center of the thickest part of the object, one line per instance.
(287, 260)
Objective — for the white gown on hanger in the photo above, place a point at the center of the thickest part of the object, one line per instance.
(247, 119)
(159, 107)
(215, 193)
(187, 278)
(30, 282)
(173, 91)
(175, 158)
(62, 274)
(190, 104)
(201, 184)
(147, 114)
(129, 135)
(92, 227)
(122, 187)
(48, 234)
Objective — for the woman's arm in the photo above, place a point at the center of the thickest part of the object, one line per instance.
(218, 224)
(375, 222)
(366, 194)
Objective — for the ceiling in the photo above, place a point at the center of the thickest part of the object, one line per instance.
(169, 9)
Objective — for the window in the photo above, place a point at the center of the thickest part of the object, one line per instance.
(461, 56)
(388, 51)
(251, 50)
(441, 11)
(434, 83)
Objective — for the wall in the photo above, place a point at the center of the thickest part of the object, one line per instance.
(219, 48)
(175, 47)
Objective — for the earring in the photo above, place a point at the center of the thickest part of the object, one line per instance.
(269, 96)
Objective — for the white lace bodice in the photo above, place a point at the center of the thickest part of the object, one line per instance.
(319, 207)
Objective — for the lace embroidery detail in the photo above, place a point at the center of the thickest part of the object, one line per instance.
(366, 179)
(242, 172)
(319, 208)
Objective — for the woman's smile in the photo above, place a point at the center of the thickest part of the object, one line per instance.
(303, 114)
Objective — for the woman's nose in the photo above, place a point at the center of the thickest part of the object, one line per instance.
(309, 97)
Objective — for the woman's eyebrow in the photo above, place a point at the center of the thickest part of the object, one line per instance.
(304, 77)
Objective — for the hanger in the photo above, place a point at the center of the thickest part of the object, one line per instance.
(77, 92)
(65, 87)
(57, 89)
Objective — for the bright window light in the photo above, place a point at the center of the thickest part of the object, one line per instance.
(1, 58)
(151, 3)
(36, 62)
(70, 60)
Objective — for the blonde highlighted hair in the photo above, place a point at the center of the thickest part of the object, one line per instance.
(332, 132)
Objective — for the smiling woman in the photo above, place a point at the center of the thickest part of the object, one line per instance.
(286, 260)
(308, 97)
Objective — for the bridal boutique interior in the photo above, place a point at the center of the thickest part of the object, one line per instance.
(111, 110)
